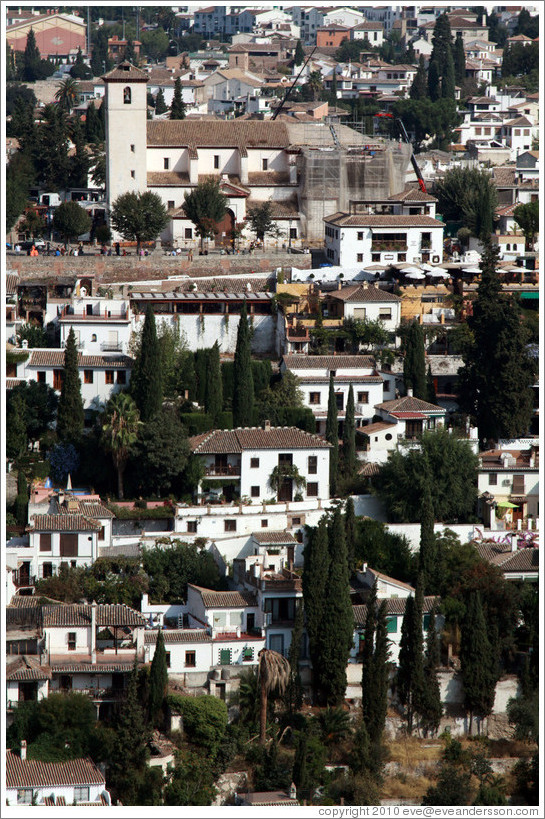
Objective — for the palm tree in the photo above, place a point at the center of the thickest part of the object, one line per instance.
(120, 432)
(334, 726)
(273, 673)
(67, 95)
(315, 83)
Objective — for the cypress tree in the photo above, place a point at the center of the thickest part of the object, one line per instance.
(377, 720)
(177, 107)
(419, 88)
(201, 369)
(459, 59)
(334, 86)
(478, 663)
(243, 386)
(300, 772)
(158, 681)
(315, 572)
(367, 681)
(21, 501)
(332, 435)
(360, 760)
(434, 81)
(427, 564)
(338, 622)
(147, 379)
(299, 53)
(160, 104)
(448, 80)
(16, 433)
(431, 394)
(31, 58)
(70, 415)
(431, 709)
(130, 52)
(414, 362)
(130, 754)
(349, 438)
(350, 533)
(410, 674)
(214, 387)
(294, 690)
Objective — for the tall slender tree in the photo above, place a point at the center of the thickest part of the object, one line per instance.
(478, 663)
(441, 58)
(158, 681)
(332, 435)
(70, 414)
(243, 382)
(431, 708)
(147, 378)
(428, 544)
(367, 687)
(434, 81)
(381, 655)
(431, 394)
(16, 432)
(410, 674)
(414, 362)
(350, 533)
(294, 691)
(120, 425)
(315, 574)
(178, 107)
(160, 104)
(338, 622)
(213, 400)
(349, 437)
(299, 53)
(419, 87)
(459, 56)
(130, 753)
(273, 675)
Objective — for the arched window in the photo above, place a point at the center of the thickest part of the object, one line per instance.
(508, 246)
(94, 337)
(127, 95)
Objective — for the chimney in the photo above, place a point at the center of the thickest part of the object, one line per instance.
(409, 393)
(365, 285)
(364, 568)
(94, 631)
(23, 750)
(267, 425)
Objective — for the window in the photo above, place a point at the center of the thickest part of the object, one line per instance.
(293, 233)
(388, 436)
(339, 398)
(166, 163)
(312, 465)
(133, 174)
(190, 659)
(363, 397)
(360, 257)
(518, 484)
(81, 793)
(109, 376)
(391, 624)
(188, 233)
(225, 656)
(216, 161)
(45, 543)
(296, 521)
(47, 570)
(58, 377)
(122, 377)
(68, 544)
(170, 204)
(314, 398)
(71, 640)
(87, 376)
(41, 376)
(493, 479)
(360, 236)
(127, 96)
(24, 796)
(94, 337)
(264, 523)
(254, 463)
(167, 658)
(192, 526)
(385, 313)
(426, 622)
(312, 490)
(230, 526)
(360, 312)
(386, 386)
(247, 655)
(255, 491)
(264, 164)
(132, 148)
(101, 533)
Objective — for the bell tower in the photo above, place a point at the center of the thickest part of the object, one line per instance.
(126, 131)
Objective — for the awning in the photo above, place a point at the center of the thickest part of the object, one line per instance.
(529, 295)
(507, 504)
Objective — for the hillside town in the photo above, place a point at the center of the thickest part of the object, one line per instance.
(272, 498)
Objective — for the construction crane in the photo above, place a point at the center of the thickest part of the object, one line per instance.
(405, 137)
(292, 86)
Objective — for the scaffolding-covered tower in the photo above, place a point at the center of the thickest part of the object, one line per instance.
(337, 165)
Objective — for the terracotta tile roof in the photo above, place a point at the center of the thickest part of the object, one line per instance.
(62, 523)
(224, 599)
(167, 179)
(368, 429)
(25, 669)
(31, 773)
(87, 667)
(373, 221)
(369, 470)
(268, 799)
(92, 509)
(30, 601)
(361, 293)
(409, 404)
(248, 438)
(394, 606)
(369, 25)
(523, 560)
(217, 133)
(388, 579)
(412, 195)
(328, 362)
(519, 122)
(55, 358)
(12, 280)
(504, 177)
(79, 614)
(273, 537)
(339, 379)
(179, 636)
(125, 72)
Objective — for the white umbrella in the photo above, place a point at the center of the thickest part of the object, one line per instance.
(473, 270)
(410, 270)
(426, 266)
(415, 275)
(514, 270)
(438, 274)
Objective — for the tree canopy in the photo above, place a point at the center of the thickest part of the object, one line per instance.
(139, 217)
(469, 194)
(205, 205)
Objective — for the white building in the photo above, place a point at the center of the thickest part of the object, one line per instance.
(344, 16)
(353, 239)
(100, 325)
(366, 302)
(370, 387)
(73, 782)
(369, 30)
(244, 461)
(510, 475)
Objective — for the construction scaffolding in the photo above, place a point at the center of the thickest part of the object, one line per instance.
(337, 166)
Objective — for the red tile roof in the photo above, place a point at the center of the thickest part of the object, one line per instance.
(179, 636)
(62, 523)
(394, 606)
(55, 358)
(229, 441)
(79, 614)
(373, 221)
(25, 669)
(217, 133)
(275, 537)
(363, 293)
(409, 404)
(224, 599)
(328, 362)
(31, 773)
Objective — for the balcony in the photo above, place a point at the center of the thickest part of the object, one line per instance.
(112, 346)
(389, 247)
(222, 471)
(67, 314)
(94, 693)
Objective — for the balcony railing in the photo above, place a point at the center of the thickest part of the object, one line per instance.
(95, 693)
(112, 346)
(68, 314)
(222, 471)
(389, 247)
